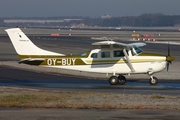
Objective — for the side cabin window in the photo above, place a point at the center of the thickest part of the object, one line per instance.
(105, 54)
(94, 55)
(118, 53)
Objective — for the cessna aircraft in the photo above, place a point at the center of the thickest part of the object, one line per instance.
(115, 58)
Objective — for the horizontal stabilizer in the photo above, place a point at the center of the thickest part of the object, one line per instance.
(32, 61)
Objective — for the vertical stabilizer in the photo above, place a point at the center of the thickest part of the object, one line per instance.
(23, 44)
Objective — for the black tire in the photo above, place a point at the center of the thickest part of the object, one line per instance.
(113, 80)
(122, 80)
(153, 81)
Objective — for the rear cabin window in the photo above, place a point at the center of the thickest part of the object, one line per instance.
(105, 54)
(94, 55)
(118, 53)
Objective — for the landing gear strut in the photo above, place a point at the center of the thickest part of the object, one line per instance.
(153, 80)
(114, 80)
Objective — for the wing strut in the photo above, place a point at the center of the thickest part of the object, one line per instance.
(128, 60)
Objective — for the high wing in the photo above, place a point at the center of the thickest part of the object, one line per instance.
(113, 44)
(110, 44)
(123, 46)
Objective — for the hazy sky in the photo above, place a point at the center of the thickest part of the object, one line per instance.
(92, 8)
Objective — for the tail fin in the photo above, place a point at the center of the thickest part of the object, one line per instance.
(23, 44)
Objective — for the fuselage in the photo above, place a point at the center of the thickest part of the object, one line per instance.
(105, 61)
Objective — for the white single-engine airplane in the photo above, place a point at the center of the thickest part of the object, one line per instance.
(114, 58)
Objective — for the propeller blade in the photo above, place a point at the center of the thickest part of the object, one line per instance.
(167, 66)
(168, 50)
(169, 59)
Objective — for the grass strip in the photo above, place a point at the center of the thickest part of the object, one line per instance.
(23, 98)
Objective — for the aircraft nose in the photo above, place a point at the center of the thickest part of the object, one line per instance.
(169, 58)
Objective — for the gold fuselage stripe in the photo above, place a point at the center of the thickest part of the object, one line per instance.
(82, 60)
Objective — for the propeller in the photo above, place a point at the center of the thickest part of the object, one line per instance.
(169, 58)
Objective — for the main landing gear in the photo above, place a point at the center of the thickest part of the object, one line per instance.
(114, 80)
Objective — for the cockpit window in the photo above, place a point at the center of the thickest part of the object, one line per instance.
(137, 50)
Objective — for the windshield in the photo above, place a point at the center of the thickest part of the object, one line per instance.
(137, 50)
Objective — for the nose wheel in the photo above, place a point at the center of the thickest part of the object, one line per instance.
(153, 80)
(114, 80)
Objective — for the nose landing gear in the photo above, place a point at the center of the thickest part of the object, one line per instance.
(153, 80)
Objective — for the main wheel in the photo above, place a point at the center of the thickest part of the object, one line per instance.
(113, 80)
(122, 80)
(153, 81)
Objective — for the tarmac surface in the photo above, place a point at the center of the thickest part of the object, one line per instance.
(13, 76)
(73, 114)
